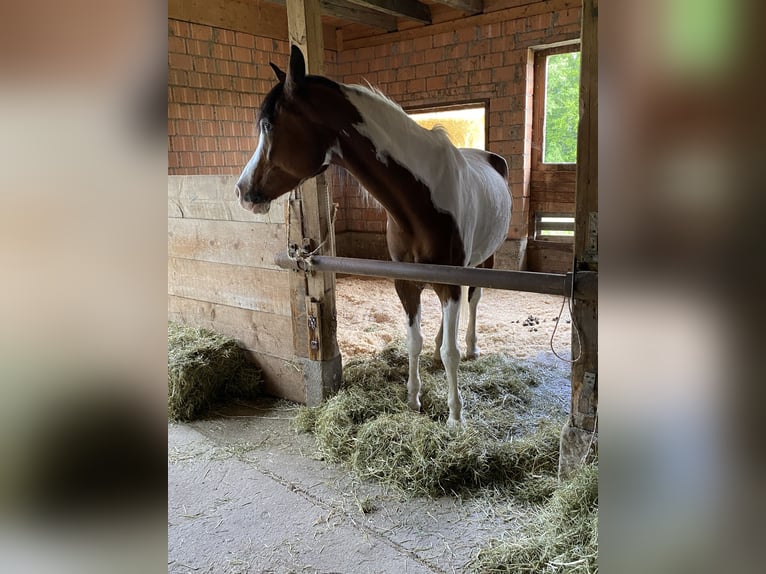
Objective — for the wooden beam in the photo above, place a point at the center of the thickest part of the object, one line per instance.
(408, 9)
(359, 15)
(579, 434)
(347, 11)
(469, 6)
(513, 13)
(313, 298)
(248, 16)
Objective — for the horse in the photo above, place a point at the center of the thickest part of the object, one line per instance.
(444, 205)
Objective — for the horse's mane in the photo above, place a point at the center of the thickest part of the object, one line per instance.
(438, 133)
(374, 92)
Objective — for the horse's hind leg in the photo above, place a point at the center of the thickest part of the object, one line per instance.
(437, 360)
(471, 349)
(474, 295)
(409, 295)
(450, 298)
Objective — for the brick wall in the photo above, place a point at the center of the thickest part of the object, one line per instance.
(218, 77)
(216, 80)
(484, 58)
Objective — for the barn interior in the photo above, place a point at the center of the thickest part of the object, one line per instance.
(246, 492)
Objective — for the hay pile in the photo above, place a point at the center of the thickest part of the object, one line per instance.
(368, 427)
(563, 537)
(204, 368)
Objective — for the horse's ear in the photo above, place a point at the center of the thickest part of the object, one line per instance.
(297, 70)
(280, 74)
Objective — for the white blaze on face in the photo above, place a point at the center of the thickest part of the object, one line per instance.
(245, 182)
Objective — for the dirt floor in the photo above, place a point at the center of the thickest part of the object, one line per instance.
(370, 316)
(247, 493)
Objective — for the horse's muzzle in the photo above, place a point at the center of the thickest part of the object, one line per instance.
(258, 204)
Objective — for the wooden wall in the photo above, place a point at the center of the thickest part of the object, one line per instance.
(221, 274)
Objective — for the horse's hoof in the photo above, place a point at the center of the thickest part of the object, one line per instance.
(472, 355)
(455, 423)
(414, 405)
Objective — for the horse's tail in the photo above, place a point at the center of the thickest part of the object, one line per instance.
(498, 162)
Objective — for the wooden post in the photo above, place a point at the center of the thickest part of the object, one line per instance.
(313, 296)
(579, 435)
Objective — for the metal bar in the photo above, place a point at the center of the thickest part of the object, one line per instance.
(586, 284)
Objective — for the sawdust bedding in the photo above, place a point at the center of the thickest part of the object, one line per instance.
(515, 323)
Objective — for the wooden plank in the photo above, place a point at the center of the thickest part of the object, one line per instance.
(234, 242)
(351, 13)
(408, 9)
(248, 16)
(323, 375)
(212, 197)
(282, 378)
(468, 6)
(544, 261)
(262, 290)
(315, 205)
(579, 433)
(555, 176)
(256, 331)
(552, 187)
(512, 13)
(553, 226)
(354, 13)
(222, 210)
(550, 196)
(586, 257)
(550, 207)
(549, 257)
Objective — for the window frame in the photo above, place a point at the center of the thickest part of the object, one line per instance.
(538, 106)
(455, 106)
(551, 188)
(540, 227)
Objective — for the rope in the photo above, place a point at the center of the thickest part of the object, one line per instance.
(568, 299)
(296, 253)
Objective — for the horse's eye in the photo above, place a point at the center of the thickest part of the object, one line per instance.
(265, 126)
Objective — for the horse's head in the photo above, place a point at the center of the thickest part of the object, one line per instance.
(292, 147)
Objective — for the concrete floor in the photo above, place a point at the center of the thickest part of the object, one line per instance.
(247, 494)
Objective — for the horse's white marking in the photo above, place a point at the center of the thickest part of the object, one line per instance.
(451, 357)
(246, 177)
(471, 350)
(335, 150)
(462, 182)
(414, 347)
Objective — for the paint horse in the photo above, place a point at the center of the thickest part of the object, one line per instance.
(445, 205)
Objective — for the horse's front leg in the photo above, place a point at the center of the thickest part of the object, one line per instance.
(471, 349)
(450, 354)
(409, 295)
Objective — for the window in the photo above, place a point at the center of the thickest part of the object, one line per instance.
(464, 125)
(553, 169)
(562, 90)
(556, 106)
(554, 226)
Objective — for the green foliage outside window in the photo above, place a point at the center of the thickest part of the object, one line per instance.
(562, 104)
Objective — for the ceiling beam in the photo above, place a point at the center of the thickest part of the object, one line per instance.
(344, 10)
(408, 9)
(469, 6)
(357, 14)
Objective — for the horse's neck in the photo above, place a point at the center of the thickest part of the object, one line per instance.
(393, 158)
